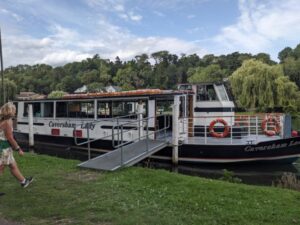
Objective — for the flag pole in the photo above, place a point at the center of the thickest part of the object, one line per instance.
(2, 75)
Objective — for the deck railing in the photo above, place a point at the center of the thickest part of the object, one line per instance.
(233, 129)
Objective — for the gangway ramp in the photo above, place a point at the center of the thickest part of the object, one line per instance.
(125, 156)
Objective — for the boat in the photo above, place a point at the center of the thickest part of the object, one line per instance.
(197, 123)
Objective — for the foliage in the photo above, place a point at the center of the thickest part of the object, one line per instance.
(229, 177)
(162, 70)
(261, 86)
(10, 89)
(211, 73)
(64, 194)
(56, 94)
(291, 68)
(289, 181)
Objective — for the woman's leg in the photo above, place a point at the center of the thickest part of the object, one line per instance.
(16, 172)
(2, 167)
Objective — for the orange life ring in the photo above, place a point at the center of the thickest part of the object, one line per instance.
(216, 134)
(276, 128)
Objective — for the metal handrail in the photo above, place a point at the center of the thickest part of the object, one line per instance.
(120, 131)
(166, 127)
(250, 126)
(89, 141)
(111, 120)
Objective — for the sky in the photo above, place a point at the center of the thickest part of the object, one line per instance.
(57, 32)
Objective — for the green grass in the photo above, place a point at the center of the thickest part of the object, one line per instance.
(65, 194)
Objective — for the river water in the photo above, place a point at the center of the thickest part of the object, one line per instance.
(256, 174)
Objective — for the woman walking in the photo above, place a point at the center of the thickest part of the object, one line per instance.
(8, 144)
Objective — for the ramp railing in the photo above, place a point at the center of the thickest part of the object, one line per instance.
(115, 120)
(145, 133)
(121, 128)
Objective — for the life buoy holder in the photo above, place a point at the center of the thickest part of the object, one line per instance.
(270, 132)
(217, 134)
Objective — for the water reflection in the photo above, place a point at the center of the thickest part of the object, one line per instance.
(257, 174)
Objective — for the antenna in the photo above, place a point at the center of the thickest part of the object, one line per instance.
(2, 75)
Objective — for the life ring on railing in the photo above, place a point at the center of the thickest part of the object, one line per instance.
(276, 129)
(216, 134)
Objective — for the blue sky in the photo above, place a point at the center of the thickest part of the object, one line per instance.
(56, 32)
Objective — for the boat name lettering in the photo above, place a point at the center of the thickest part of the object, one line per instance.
(292, 143)
(66, 124)
(264, 148)
(269, 147)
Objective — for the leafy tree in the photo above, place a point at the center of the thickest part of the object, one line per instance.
(296, 52)
(265, 58)
(95, 87)
(57, 94)
(89, 76)
(10, 89)
(127, 78)
(261, 86)
(286, 52)
(211, 73)
(287, 94)
(291, 68)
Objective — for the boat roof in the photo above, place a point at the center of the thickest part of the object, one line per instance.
(140, 93)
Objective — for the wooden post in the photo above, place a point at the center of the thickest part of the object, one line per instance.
(175, 130)
(30, 124)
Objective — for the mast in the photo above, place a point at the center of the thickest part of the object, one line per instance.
(2, 100)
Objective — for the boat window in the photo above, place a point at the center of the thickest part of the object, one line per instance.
(206, 93)
(104, 110)
(122, 108)
(183, 108)
(185, 87)
(222, 92)
(61, 109)
(48, 109)
(81, 109)
(36, 108)
(164, 107)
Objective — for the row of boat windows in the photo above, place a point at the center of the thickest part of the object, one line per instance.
(84, 109)
(207, 92)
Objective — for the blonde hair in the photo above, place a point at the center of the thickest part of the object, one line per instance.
(7, 111)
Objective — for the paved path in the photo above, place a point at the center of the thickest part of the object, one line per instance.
(6, 222)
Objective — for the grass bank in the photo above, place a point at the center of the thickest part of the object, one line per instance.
(64, 194)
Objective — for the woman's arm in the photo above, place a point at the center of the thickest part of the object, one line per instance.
(8, 131)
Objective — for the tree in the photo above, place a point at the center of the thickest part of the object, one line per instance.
(211, 73)
(57, 94)
(261, 86)
(10, 89)
(291, 68)
(265, 58)
(286, 52)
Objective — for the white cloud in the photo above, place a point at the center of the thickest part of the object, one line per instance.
(262, 26)
(62, 57)
(192, 16)
(12, 14)
(153, 44)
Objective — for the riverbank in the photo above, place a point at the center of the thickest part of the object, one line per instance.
(65, 194)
